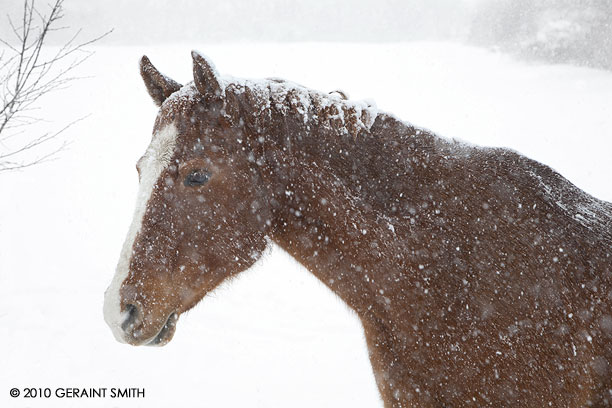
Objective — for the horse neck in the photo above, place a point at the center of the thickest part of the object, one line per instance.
(331, 198)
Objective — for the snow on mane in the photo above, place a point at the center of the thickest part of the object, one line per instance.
(271, 94)
(281, 95)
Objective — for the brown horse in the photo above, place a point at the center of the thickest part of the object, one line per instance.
(481, 277)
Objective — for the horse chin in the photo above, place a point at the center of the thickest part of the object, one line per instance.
(166, 333)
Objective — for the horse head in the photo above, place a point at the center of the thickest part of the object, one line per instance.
(201, 214)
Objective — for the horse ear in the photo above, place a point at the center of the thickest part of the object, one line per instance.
(160, 87)
(205, 76)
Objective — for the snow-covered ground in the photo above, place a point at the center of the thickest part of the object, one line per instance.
(274, 337)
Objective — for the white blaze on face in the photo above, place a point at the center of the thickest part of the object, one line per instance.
(154, 162)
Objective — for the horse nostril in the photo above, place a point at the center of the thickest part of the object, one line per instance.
(131, 313)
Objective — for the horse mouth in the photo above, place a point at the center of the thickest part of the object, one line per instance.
(166, 332)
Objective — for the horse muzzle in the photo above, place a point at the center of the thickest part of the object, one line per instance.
(137, 330)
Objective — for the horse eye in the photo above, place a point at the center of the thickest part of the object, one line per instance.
(196, 178)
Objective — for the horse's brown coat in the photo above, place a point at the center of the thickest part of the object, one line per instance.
(481, 277)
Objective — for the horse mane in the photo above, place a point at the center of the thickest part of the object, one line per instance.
(314, 108)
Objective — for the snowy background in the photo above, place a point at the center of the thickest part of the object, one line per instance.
(274, 337)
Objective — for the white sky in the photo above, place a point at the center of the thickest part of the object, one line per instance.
(159, 21)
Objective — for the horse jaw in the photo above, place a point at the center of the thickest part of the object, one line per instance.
(154, 162)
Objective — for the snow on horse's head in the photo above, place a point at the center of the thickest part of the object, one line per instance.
(202, 212)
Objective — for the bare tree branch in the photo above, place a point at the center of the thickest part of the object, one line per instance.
(30, 70)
